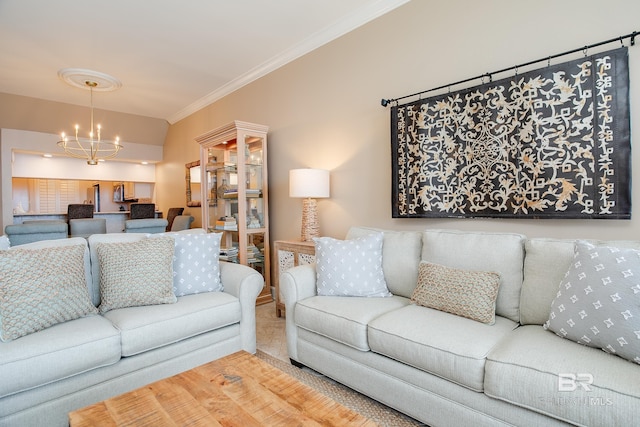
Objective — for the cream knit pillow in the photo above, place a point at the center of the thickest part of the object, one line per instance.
(470, 294)
(40, 288)
(136, 273)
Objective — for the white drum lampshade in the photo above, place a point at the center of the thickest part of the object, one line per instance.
(309, 184)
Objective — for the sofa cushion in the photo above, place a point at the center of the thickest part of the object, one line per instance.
(350, 267)
(525, 369)
(598, 301)
(40, 287)
(196, 262)
(502, 253)
(440, 343)
(136, 273)
(344, 319)
(58, 352)
(146, 328)
(545, 264)
(470, 294)
(401, 251)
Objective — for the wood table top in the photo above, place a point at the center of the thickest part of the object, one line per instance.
(236, 390)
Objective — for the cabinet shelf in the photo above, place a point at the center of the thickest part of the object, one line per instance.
(251, 194)
(248, 231)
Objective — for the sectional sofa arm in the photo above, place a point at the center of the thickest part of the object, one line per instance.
(244, 283)
(296, 284)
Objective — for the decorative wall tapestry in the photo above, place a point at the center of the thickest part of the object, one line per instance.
(549, 143)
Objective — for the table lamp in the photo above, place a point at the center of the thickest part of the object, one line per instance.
(309, 184)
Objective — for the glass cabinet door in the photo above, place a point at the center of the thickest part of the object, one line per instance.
(255, 201)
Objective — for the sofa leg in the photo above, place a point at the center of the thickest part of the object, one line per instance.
(297, 364)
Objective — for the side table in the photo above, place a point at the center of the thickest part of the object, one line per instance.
(290, 254)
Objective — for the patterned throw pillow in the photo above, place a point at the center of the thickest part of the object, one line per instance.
(40, 288)
(470, 294)
(598, 302)
(350, 267)
(136, 273)
(196, 263)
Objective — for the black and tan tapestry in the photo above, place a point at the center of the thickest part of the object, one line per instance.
(548, 143)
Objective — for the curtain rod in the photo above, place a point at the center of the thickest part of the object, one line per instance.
(632, 36)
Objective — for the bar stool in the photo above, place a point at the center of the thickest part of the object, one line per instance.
(79, 210)
(142, 210)
(172, 214)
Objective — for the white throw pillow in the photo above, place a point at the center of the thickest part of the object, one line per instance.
(598, 301)
(350, 267)
(196, 263)
(4, 242)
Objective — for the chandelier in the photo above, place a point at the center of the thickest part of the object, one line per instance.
(93, 148)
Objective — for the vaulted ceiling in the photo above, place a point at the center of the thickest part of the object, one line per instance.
(172, 57)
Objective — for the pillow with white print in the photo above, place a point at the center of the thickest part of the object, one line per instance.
(351, 267)
(598, 302)
(196, 263)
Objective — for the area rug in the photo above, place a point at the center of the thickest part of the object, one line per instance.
(381, 414)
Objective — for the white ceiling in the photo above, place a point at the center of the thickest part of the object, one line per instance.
(173, 57)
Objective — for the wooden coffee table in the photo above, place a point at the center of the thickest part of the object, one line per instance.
(237, 390)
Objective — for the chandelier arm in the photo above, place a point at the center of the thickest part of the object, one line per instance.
(84, 150)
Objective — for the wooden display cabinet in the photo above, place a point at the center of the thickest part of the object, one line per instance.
(233, 167)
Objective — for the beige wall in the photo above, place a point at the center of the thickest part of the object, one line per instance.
(324, 109)
(39, 115)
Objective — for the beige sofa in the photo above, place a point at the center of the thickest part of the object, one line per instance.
(74, 363)
(444, 369)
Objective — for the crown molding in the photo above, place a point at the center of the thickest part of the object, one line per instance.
(330, 33)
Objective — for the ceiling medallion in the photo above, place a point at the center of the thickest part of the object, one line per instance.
(78, 77)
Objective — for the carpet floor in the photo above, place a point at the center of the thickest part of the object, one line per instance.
(381, 414)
